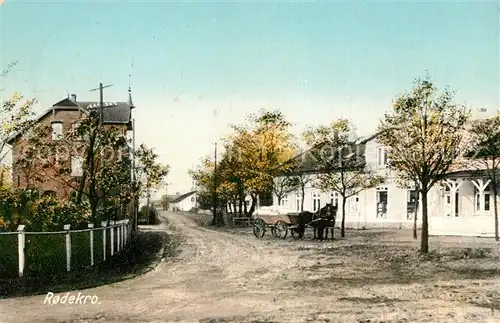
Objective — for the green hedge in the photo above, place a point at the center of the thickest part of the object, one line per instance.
(9, 265)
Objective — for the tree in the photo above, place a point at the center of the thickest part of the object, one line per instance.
(151, 173)
(261, 146)
(165, 203)
(105, 180)
(284, 185)
(486, 141)
(302, 181)
(342, 169)
(424, 133)
(251, 152)
(17, 116)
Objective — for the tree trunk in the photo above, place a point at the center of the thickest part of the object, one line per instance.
(495, 205)
(302, 198)
(415, 217)
(253, 205)
(279, 200)
(424, 244)
(342, 225)
(240, 209)
(245, 207)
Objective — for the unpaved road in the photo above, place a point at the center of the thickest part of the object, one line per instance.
(225, 277)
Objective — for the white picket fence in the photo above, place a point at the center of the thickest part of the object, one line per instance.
(119, 238)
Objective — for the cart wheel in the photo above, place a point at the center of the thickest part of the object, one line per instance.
(281, 229)
(259, 228)
(295, 233)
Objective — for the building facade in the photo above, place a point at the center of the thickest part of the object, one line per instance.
(62, 117)
(184, 202)
(460, 205)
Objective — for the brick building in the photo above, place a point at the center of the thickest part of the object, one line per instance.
(61, 117)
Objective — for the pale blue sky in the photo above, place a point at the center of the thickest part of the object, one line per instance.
(315, 61)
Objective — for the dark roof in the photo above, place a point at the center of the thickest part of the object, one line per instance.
(113, 112)
(312, 160)
(182, 197)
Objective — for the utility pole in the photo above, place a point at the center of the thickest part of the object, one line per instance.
(101, 100)
(214, 222)
(134, 176)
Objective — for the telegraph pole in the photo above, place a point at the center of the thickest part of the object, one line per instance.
(101, 100)
(214, 221)
(134, 170)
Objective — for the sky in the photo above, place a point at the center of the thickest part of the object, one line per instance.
(196, 67)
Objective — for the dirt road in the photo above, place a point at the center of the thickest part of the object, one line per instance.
(224, 277)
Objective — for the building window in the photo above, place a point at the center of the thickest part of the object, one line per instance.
(57, 130)
(334, 198)
(382, 199)
(352, 203)
(316, 202)
(486, 198)
(284, 200)
(76, 166)
(382, 160)
(298, 201)
(411, 204)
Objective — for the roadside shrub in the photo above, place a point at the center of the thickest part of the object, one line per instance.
(51, 214)
(152, 216)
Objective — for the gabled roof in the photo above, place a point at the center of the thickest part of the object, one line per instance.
(182, 197)
(113, 112)
(310, 161)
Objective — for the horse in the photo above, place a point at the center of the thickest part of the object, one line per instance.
(324, 218)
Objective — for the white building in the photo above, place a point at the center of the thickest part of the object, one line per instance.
(184, 202)
(460, 205)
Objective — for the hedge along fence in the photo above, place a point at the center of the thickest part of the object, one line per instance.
(40, 253)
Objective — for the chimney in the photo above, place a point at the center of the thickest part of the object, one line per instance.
(73, 97)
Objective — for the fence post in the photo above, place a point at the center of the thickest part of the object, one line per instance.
(123, 234)
(104, 224)
(112, 229)
(68, 246)
(119, 236)
(20, 248)
(91, 227)
(126, 232)
(120, 232)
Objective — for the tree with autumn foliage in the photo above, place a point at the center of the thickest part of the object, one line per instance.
(251, 152)
(424, 133)
(262, 145)
(342, 167)
(485, 148)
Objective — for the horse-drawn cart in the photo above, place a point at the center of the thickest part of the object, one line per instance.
(279, 225)
(296, 222)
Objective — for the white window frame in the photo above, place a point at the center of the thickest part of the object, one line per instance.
(352, 204)
(57, 130)
(380, 214)
(382, 159)
(334, 198)
(76, 166)
(408, 198)
(487, 196)
(284, 200)
(316, 205)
